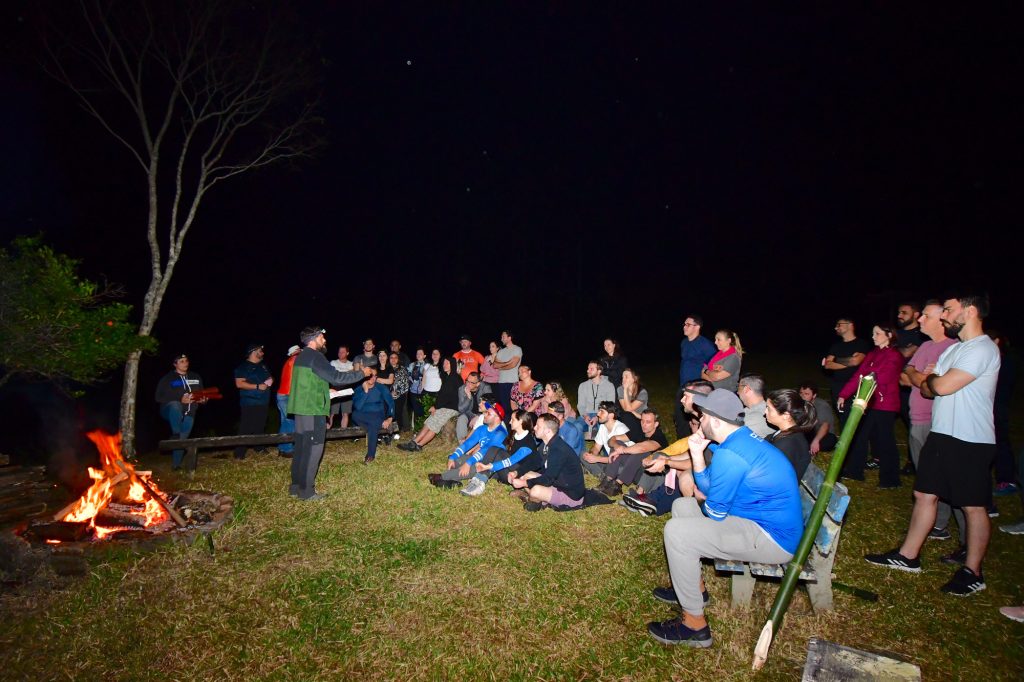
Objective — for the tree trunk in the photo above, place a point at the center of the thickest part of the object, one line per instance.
(128, 396)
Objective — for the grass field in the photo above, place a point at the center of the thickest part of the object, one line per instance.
(390, 578)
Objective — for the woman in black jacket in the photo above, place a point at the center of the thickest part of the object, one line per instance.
(793, 417)
(445, 408)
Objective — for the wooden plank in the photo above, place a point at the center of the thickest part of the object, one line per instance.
(828, 536)
(257, 439)
(828, 662)
(812, 479)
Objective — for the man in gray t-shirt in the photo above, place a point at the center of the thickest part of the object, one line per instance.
(750, 389)
(507, 363)
(824, 437)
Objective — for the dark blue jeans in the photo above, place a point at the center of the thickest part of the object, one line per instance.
(287, 424)
(181, 426)
(370, 421)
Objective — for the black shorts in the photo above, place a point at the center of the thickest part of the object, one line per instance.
(956, 470)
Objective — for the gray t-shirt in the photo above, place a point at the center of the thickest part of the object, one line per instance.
(967, 414)
(825, 416)
(509, 376)
(641, 396)
(753, 419)
(730, 364)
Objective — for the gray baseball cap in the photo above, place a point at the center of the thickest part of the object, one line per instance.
(721, 403)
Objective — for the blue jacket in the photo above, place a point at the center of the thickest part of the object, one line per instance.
(378, 399)
(751, 479)
(483, 436)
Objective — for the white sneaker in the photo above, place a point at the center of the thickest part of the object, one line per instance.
(475, 488)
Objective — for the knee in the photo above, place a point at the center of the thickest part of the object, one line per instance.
(925, 498)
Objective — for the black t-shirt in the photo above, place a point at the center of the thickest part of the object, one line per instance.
(658, 437)
(384, 373)
(843, 350)
(909, 337)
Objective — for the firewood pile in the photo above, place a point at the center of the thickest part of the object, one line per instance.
(24, 492)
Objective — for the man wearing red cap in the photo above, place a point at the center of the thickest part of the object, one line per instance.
(462, 462)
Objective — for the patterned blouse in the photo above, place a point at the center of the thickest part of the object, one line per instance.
(525, 401)
(402, 382)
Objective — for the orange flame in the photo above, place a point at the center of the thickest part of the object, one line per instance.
(101, 491)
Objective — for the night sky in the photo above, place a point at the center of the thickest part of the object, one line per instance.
(570, 173)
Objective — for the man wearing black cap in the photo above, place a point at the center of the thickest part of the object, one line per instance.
(253, 380)
(177, 405)
(310, 401)
(466, 359)
(752, 512)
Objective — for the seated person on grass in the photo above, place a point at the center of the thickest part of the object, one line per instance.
(444, 409)
(611, 433)
(560, 483)
(752, 513)
(625, 461)
(470, 451)
(667, 472)
(519, 455)
(567, 431)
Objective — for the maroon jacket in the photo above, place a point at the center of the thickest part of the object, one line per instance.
(886, 363)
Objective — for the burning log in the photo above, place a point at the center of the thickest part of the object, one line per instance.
(153, 494)
(114, 517)
(64, 531)
(59, 516)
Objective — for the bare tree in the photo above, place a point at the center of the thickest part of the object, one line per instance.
(197, 92)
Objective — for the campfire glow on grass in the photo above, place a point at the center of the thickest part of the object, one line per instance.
(139, 502)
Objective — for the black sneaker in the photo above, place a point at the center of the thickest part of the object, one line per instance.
(993, 511)
(894, 559)
(667, 595)
(964, 583)
(640, 503)
(939, 534)
(955, 558)
(533, 506)
(872, 464)
(674, 632)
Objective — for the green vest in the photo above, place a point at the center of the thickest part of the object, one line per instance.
(309, 395)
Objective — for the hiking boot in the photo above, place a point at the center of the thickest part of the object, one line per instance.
(411, 446)
(1004, 489)
(964, 583)
(1013, 528)
(534, 506)
(939, 534)
(674, 632)
(955, 558)
(434, 478)
(893, 559)
(475, 488)
(640, 503)
(611, 488)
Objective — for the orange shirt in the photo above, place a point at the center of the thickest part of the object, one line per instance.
(285, 385)
(467, 361)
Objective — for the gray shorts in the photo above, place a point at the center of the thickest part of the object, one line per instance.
(442, 416)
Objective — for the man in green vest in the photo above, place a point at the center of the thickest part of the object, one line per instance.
(310, 402)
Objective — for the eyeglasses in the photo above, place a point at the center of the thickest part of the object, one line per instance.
(689, 324)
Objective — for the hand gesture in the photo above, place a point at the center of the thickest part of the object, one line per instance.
(698, 443)
(451, 464)
(464, 470)
(269, 382)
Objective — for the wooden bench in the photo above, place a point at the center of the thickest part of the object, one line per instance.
(817, 572)
(191, 446)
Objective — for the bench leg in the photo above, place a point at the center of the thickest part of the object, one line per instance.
(821, 591)
(742, 588)
(193, 458)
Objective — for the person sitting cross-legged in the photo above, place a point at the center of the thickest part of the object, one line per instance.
(444, 409)
(461, 463)
(625, 461)
(752, 509)
(560, 483)
(611, 433)
(519, 456)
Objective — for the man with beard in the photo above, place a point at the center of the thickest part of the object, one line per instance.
(752, 513)
(909, 338)
(590, 394)
(955, 459)
(310, 402)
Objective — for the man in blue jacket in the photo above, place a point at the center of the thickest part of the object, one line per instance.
(373, 408)
(752, 512)
(694, 351)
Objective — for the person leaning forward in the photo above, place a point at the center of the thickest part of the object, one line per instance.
(310, 402)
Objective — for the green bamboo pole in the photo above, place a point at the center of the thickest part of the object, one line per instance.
(865, 389)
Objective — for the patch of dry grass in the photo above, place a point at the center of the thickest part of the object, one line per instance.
(390, 578)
